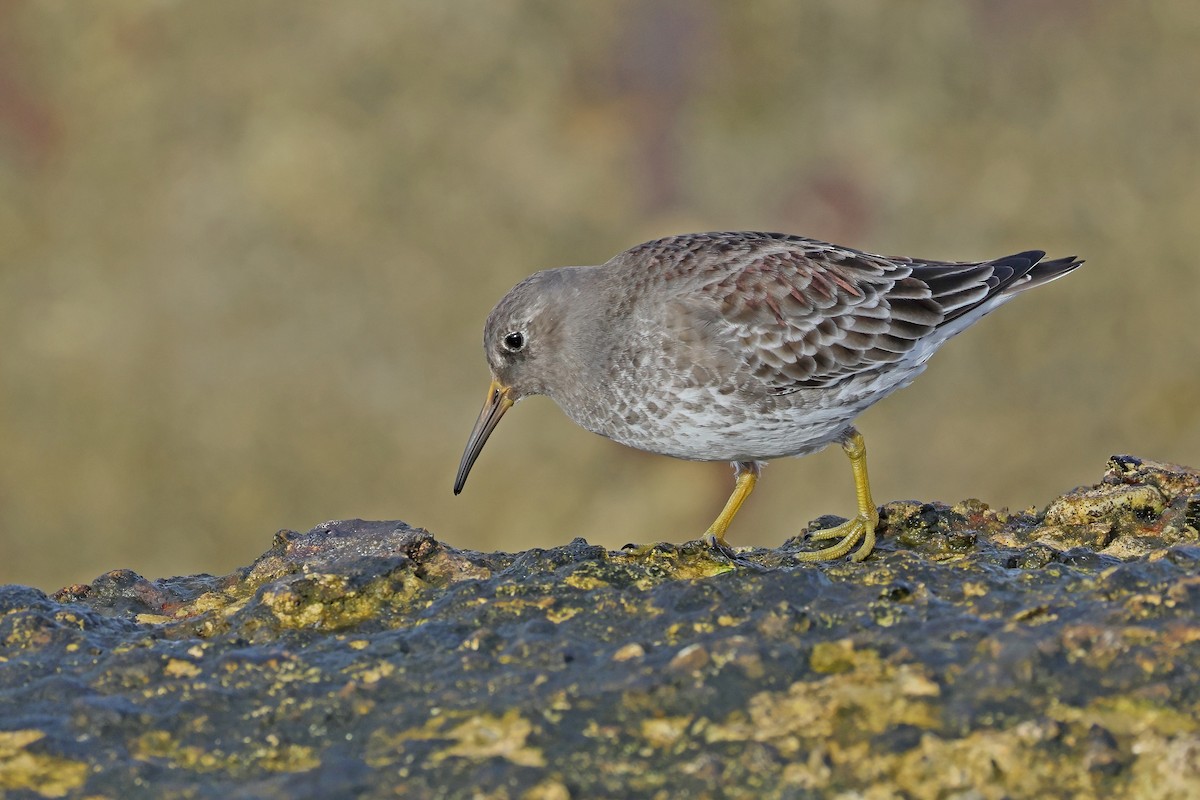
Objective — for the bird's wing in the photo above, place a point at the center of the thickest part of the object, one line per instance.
(805, 314)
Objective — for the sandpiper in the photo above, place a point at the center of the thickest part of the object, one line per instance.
(738, 347)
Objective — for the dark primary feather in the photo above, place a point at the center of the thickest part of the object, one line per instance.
(810, 314)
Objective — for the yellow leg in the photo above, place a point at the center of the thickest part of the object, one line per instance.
(747, 476)
(862, 526)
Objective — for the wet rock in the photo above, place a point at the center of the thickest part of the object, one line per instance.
(977, 653)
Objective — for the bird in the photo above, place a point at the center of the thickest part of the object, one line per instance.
(741, 346)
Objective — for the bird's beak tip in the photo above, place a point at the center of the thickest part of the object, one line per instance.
(498, 400)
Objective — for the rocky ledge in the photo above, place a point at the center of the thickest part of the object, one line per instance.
(977, 653)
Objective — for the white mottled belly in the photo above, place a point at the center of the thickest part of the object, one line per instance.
(704, 425)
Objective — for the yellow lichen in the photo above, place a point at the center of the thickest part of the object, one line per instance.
(557, 615)
(477, 737)
(628, 652)
(1086, 506)
(376, 673)
(178, 668)
(663, 732)
(44, 774)
(839, 656)
(877, 694)
(487, 736)
(270, 754)
(585, 582)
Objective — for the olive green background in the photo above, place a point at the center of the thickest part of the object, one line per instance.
(246, 252)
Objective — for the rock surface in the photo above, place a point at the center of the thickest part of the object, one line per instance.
(977, 653)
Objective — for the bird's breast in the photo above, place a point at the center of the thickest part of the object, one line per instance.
(703, 423)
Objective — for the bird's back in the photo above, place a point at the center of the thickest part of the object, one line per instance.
(806, 313)
(747, 345)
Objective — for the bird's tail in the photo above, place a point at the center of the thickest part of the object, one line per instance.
(1029, 270)
(969, 290)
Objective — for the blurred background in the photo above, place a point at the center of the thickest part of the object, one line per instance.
(247, 249)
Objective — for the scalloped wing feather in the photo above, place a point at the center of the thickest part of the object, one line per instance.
(805, 314)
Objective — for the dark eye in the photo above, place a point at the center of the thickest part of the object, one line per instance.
(514, 341)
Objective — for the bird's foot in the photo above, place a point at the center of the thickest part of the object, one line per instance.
(848, 533)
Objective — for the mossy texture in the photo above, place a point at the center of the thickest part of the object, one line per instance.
(976, 653)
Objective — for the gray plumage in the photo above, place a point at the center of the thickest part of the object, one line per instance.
(738, 346)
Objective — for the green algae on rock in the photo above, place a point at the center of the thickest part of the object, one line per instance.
(977, 652)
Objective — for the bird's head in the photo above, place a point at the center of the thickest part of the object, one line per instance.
(524, 343)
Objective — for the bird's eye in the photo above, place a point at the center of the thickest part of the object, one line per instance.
(514, 342)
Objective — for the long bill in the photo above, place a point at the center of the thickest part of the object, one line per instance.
(498, 401)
